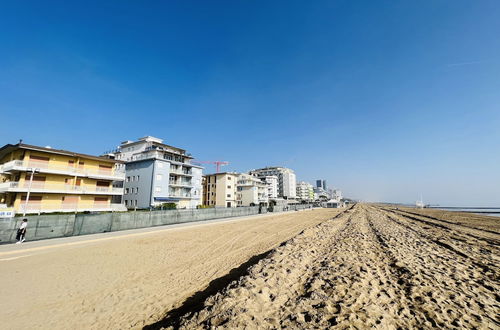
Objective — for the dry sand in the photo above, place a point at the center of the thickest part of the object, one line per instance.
(370, 267)
(133, 281)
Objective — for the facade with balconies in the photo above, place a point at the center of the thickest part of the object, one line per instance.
(157, 173)
(58, 180)
(251, 191)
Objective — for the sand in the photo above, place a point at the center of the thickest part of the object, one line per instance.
(369, 267)
(133, 281)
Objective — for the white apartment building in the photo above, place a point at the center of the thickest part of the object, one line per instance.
(286, 180)
(305, 191)
(271, 182)
(219, 189)
(157, 173)
(251, 191)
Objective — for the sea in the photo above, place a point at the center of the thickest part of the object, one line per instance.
(491, 211)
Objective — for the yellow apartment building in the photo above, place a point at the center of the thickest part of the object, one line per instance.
(219, 189)
(58, 180)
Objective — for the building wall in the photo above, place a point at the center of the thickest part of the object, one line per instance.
(137, 185)
(78, 187)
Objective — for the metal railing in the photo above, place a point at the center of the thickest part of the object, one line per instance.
(65, 188)
(38, 207)
(72, 170)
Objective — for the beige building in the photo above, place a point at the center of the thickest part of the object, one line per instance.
(305, 192)
(41, 180)
(251, 191)
(219, 189)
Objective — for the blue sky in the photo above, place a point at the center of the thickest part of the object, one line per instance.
(386, 100)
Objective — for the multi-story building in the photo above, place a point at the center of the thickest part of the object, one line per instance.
(42, 180)
(251, 191)
(271, 182)
(286, 180)
(219, 189)
(157, 173)
(305, 191)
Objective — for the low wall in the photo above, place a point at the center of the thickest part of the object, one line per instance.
(64, 225)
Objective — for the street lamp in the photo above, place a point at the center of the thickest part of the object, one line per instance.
(32, 171)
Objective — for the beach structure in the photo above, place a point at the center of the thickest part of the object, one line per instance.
(251, 191)
(305, 192)
(219, 189)
(157, 173)
(37, 179)
(286, 180)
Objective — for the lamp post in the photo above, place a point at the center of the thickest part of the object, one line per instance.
(32, 171)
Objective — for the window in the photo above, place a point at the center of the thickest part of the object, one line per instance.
(159, 177)
(228, 187)
(126, 202)
(136, 202)
(136, 190)
(133, 178)
(128, 179)
(137, 178)
(229, 178)
(158, 189)
(228, 195)
(126, 191)
(102, 184)
(45, 159)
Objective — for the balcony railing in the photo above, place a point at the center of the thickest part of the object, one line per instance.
(58, 188)
(117, 173)
(70, 207)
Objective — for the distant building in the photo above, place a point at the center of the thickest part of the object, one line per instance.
(305, 191)
(321, 184)
(251, 191)
(219, 189)
(58, 180)
(286, 180)
(271, 182)
(158, 173)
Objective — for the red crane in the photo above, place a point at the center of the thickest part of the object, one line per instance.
(217, 163)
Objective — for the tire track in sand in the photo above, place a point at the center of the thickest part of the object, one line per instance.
(359, 270)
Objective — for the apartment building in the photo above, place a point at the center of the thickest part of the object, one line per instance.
(251, 191)
(158, 173)
(271, 182)
(305, 191)
(219, 189)
(286, 180)
(42, 179)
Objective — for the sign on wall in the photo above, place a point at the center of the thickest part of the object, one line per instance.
(7, 213)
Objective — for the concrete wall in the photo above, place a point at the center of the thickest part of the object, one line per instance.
(64, 225)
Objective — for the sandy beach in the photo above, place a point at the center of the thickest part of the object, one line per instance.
(132, 281)
(370, 267)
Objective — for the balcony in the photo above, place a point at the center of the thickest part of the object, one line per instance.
(180, 183)
(180, 172)
(54, 188)
(47, 167)
(180, 195)
(70, 207)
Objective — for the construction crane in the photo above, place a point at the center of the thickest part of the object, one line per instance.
(217, 163)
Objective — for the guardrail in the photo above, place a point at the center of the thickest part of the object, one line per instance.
(47, 166)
